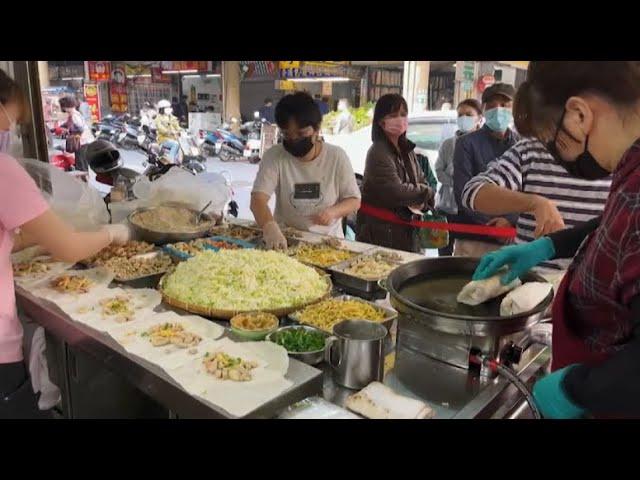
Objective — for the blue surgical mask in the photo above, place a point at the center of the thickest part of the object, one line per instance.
(467, 123)
(498, 119)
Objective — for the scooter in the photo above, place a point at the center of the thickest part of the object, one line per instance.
(130, 137)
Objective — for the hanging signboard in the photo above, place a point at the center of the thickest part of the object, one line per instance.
(93, 99)
(158, 77)
(327, 89)
(200, 66)
(119, 99)
(99, 71)
(118, 75)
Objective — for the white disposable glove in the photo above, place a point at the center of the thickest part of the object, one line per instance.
(273, 237)
(119, 233)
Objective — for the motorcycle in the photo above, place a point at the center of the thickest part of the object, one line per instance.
(130, 137)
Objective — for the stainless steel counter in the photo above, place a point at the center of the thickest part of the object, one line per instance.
(149, 378)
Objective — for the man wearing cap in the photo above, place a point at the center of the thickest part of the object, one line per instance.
(473, 152)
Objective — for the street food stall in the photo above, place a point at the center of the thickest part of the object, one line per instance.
(202, 322)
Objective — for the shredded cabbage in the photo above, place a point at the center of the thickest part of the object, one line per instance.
(244, 280)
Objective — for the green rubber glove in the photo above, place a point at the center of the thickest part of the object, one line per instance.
(552, 400)
(520, 258)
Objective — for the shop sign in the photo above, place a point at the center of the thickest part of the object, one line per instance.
(119, 99)
(99, 71)
(327, 64)
(200, 66)
(118, 75)
(158, 77)
(285, 85)
(327, 88)
(93, 99)
(132, 70)
(485, 82)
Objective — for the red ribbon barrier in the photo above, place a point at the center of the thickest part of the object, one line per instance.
(486, 230)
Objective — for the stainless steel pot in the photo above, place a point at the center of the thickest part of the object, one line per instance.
(161, 238)
(452, 323)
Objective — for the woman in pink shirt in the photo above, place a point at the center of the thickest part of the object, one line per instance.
(26, 220)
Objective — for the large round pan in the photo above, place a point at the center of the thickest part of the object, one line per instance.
(160, 237)
(425, 291)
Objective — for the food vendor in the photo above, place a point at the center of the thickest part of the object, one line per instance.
(588, 115)
(25, 220)
(313, 181)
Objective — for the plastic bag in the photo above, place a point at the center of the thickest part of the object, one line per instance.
(178, 185)
(72, 199)
(430, 237)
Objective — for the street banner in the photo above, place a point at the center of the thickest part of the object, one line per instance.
(99, 71)
(92, 97)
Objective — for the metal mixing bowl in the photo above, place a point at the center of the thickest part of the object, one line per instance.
(310, 358)
(161, 238)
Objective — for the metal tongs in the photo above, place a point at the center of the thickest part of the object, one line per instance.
(199, 214)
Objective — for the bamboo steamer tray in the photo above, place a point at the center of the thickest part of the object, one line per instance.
(228, 314)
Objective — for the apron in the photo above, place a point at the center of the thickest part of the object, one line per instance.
(566, 347)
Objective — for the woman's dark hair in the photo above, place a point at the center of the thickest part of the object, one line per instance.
(10, 92)
(541, 99)
(386, 105)
(300, 108)
(68, 102)
(471, 103)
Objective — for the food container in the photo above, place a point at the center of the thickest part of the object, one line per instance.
(389, 315)
(177, 254)
(310, 358)
(292, 254)
(161, 238)
(359, 284)
(144, 281)
(253, 233)
(235, 241)
(254, 335)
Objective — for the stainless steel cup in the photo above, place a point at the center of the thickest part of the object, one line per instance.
(355, 353)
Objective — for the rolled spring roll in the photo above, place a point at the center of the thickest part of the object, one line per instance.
(524, 298)
(479, 291)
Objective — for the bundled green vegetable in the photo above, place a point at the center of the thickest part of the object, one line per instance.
(299, 340)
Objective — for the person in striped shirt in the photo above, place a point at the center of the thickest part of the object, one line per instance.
(527, 180)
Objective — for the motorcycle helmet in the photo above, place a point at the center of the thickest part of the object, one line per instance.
(103, 157)
(162, 104)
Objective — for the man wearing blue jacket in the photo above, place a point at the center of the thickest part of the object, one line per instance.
(473, 152)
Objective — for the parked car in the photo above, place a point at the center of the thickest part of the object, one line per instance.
(426, 129)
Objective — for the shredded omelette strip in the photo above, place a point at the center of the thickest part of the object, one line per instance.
(320, 255)
(326, 314)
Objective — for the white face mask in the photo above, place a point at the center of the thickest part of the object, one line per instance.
(168, 111)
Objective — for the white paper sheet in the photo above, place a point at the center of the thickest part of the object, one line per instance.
(88, 311)
(167, 356)
(238, 398)
(101, 278)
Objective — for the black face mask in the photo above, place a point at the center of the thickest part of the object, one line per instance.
(585, 165)
(298, 148)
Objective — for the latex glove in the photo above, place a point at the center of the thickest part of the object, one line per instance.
(551, 398)
(520, 258)
(548, 218)
(118, 233)
(273, 236)
(326, 217)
